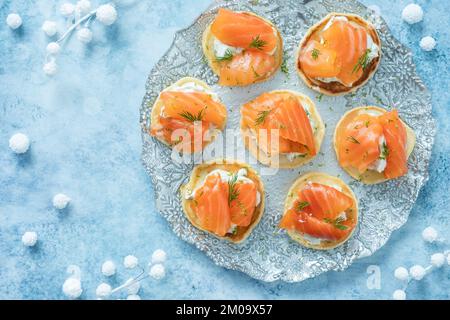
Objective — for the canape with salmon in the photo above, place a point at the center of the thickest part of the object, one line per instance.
(242, 48)
(339, 54)
(224, 198)
(320, 211)
(187, 115)
(282, 128)
(373, 144)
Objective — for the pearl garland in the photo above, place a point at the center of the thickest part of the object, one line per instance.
(418, 272)
(159, 256)
(401, 274)
(412, 13)
(84, 35)
(72, 288)
(108, 268)
(83, 6)
(103, 290)
(80, 15)
(130, 262)
(67, 9)
(53, 48)
(60, 201)
(157, 272)
(49, 27)
(427, 43)
(429, 234)
(106, 14)
(50, 68)
(19, 143)
(399, 295)
(14, 21)
(29, 238)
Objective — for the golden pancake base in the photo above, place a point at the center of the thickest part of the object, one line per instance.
(198, 175)
(325, 179)
(336, 88)
(370, 176)
(157, 106)
(281, 160)
(208, 51)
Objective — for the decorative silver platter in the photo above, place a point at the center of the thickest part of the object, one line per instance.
(268, 254)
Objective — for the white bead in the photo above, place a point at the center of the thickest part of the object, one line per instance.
(72, 288)
(19, 143)
(134, 287)
(13, 20)
(53, 48)
(60, 201)
(159, 256)
(50, 68)
(67, 9)
(157, 271)
(84, 35)
(130, 262)
(437, 260)
(108, 268)
(83, 6)
(417, 272)
(412, 13)
(103, 290)
(399, 295)
(401, 274)
(429, 234)
(133, 297)
(29, 238)
(106, 14)
(427, 43)
(49, 27)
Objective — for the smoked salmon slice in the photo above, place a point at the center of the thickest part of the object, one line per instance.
(318, 61)
(243, 206)
(212, 205)
(395, 134)
(323, 201)
(317, 213)
(339, 51)
(193, 105)
(187, 119)
(307, 224)
(284, 113)
(220, 204)
(246, 68)
(241, 30)
(182, 134)
(291, 119)
(359, 143)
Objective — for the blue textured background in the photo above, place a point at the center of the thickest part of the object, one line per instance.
(86, 143)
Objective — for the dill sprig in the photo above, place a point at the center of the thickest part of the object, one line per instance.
(302, 205)
(337, 223)
(262, 115)
(256, 74)
(384, 151)
(284, 67)
(315, 53)
(257, 43)
(228, 56)
(353, 139)
(362, 61)
(233, 193)
(192, 118)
